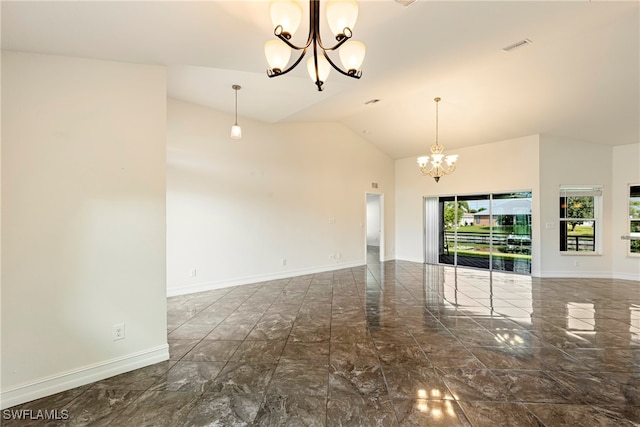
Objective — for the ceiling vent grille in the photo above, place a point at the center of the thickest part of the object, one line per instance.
(516, 45)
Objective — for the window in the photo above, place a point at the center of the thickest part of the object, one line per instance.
(580, 208)
(634, 219)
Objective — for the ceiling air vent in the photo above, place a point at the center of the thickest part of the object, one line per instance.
(404, 3)
(516, 45)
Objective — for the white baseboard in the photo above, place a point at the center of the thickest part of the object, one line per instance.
(82, 376)
(246, 280)
(576, 274)
(627, 276)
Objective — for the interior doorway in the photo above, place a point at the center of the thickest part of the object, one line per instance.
(374, 229)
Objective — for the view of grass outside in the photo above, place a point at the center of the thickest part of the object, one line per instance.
(509, 238)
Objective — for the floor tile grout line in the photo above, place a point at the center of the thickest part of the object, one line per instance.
(384, 376)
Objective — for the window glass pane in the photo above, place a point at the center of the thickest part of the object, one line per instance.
(475, 225)
(634, 218)
(579, 207)
(446, 254)
(577, 236)
(511, 249)
(634, 202)
(578, 217)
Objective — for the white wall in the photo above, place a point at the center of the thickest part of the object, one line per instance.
(497, 167)
(294, 192)
(565, 161)
(626, 170)
(83, 221)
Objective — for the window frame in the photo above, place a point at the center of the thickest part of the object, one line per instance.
(630, 221)
(595, 191)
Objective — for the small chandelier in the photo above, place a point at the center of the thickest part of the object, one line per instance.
(236, 130)
(437, 169)
(341, 15)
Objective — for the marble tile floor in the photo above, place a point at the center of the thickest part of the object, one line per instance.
(388, 344)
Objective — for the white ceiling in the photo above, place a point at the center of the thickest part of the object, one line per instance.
(579, 78)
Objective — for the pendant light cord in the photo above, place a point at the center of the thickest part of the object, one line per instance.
(236, 88)
(236, 106)
(437, 101)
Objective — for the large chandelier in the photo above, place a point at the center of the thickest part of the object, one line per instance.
(436, 168)
(341, 16)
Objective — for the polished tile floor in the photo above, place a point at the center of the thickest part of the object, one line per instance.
(391, 344)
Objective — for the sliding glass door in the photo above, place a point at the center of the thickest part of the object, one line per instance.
(511, 213)
(488, 231)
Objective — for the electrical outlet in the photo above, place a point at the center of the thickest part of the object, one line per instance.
(118, 331)
(283, 262)
(193, 272)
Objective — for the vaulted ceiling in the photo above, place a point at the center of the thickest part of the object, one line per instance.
(578, 78)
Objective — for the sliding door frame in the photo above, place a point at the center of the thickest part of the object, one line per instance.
(430, 232)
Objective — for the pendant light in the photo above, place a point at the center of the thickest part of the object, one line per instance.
(236, 130)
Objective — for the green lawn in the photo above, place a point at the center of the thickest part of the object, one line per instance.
(482, 229)
(581, 230)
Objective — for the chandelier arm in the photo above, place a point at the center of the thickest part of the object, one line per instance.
(314, 38)
(342, 39)
(355, 74)
(437, 170)
(318, 82)
(272, 73)
(291, 45)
